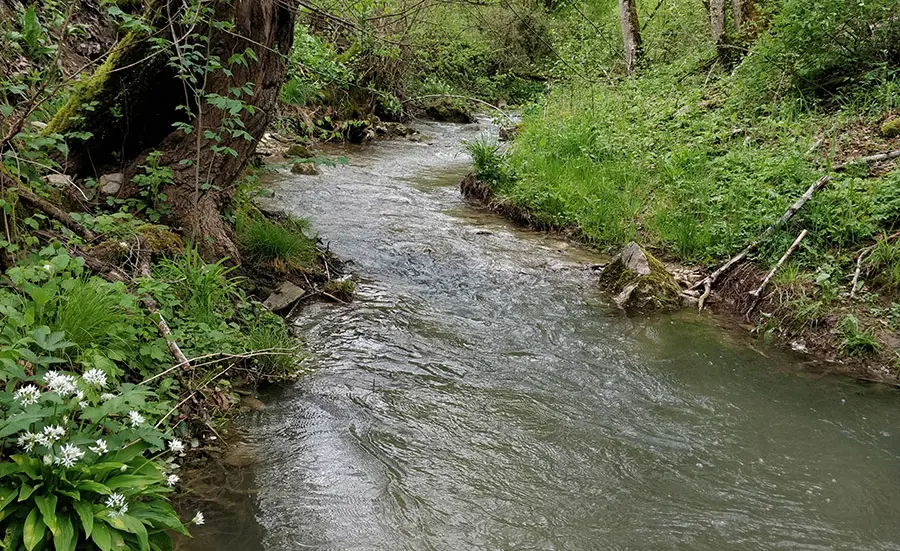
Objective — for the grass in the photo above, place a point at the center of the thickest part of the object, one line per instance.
(205, 291)
(274, 336)
(285, 243)
(91, 312)
(884, 263)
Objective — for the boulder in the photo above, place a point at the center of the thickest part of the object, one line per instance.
(640, 282)
(445, 110)
(110, 184)
(305, 169)
(283, 297)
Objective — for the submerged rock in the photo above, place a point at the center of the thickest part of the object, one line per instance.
(284, 297)
(639, 281)
(299, 150)
(445, 110)
(305, 169)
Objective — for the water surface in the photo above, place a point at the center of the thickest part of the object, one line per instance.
(481, 394)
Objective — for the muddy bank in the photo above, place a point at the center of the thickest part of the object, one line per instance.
(731, 298)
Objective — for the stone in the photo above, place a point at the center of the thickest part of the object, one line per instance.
(638, 281)
(305, 169)
(891, 129)
(240, 455)
(284, 296)
(445, 110)
(252, 403)
(60, 181)
(299, 150)
(110, 184)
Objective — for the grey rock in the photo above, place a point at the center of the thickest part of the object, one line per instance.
(638, 281)
(110, 184)
(284, 296)
(60, 181)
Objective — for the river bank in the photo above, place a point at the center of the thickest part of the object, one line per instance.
(732, 298)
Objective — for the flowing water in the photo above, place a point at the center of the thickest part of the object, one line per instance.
(481, 394)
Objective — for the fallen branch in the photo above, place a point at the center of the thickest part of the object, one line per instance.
(859, 260)
(758, 292)
(708, 282)
(39, 203)
(164, 330)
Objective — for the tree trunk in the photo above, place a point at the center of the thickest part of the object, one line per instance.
(717, 25)
(631, 34)
(139, 98)
(744, 12)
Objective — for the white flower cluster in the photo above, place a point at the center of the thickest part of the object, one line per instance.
(172, 480)
(176, 446)
(136, 418)
(60, 383)
(198, 519)
(116, 503)
(27, 395)
(100, 448)
(68, 455)
(95, 377)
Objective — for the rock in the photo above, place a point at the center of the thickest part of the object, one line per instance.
(110, 184)
(240, 455)
(393, 130)
(891, 129)
(252, 403)
(284, 296)
(60, 181)
(445, 110)
(299, 150)
(639, 281)
(305, 169)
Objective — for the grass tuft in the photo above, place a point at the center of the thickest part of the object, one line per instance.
(284, 243)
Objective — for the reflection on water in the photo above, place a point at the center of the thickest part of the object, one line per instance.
(480, 394)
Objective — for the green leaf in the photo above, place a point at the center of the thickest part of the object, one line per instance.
(34, 529)
(47, 506)
(91, 486)
(132, 481)
(137, 528)
(19, 421)
(28, 465)
(86, 514)
(25, 491)
(7, 496)
(64, 538)
(101, 537)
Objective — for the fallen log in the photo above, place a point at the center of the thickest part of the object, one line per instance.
(46, 206)
(756, 294)
(708, 282)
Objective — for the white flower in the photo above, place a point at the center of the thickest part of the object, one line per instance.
(83, 404)
(100, 448)
(61, 383)
(123, 468)
(198, 519)
(95, 377)
(27, 395)
(115, 500)
(48, 459)
(107, 396)
(49, 435)
(48, 268)
(172, 479)
(177, 446)
(68, 455)
(136, 418)
(27, 441)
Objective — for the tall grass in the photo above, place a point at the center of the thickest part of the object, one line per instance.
(91, 312)
(204, 290)
(284, 243)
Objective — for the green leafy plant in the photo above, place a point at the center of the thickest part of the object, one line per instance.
(204, 290)
(283, 243)
(854, 340)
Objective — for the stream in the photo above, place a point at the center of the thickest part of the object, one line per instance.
(480, 393)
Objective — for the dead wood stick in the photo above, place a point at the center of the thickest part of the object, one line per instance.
(708, 282)
(859, 260)
(32, 199)
(756, 294)
(164, 330)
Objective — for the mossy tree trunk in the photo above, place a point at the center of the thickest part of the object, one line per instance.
(631, 34)
(132, 103)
